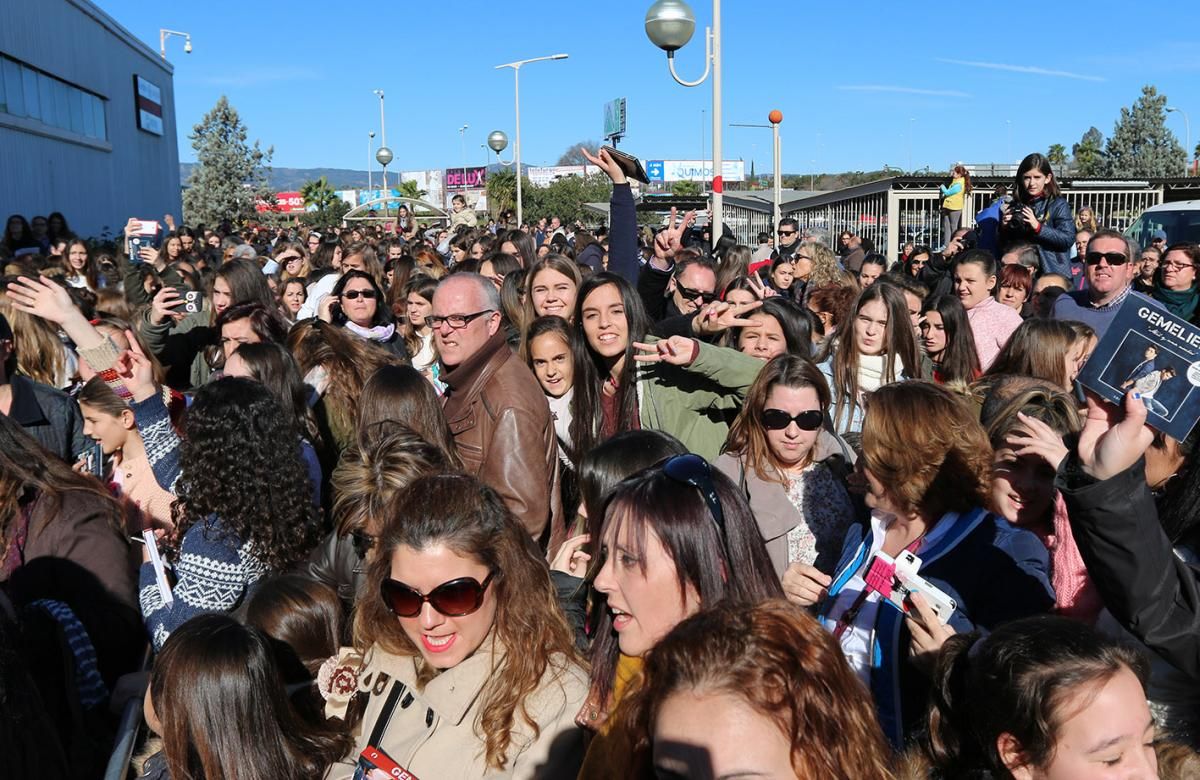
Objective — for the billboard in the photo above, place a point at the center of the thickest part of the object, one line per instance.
(147, 96)
(544, 175)
(465, 178)
(285, 203)
(693, 170)
(432, 182)
(614, 118)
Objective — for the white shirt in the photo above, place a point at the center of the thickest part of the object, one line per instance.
(317, 292)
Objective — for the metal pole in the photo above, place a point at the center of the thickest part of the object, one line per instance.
(778, 176)
(382, 135)
(370, 137)
(517, 146)
(718, 201)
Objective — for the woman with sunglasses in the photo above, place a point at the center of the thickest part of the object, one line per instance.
(928, 467)
(468, 664)
(917, 259)
(357, 304)
(879, 348)
(787, 464)
(675, 538)
(626, 379)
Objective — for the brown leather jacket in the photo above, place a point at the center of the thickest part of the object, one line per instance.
(502, 428)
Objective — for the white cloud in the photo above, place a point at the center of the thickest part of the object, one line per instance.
(1030, 69)
(903, 90)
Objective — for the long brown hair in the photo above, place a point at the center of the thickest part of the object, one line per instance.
(898, 345)
(400, 394)
(371, 472)
(424, 286)
(1037, 348)
(225, 713)
(40, 354)
(747, 438)
(553, 262)
(779, 660)
(463, 514)
(927, 445)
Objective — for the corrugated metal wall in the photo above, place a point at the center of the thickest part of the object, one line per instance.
(95, 187)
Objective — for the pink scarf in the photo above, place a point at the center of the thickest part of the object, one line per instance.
(1076, 596)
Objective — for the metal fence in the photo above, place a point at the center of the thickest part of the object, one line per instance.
(891, 212)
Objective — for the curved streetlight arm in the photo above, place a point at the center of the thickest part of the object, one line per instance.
(707, 62)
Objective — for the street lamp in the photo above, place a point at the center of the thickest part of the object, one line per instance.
(1187, 129)
(462, 140)
(384, 155)
(775, 117)
(370, 143)
(669, 26)
(163, 35)
(516, 68)
(497, 141)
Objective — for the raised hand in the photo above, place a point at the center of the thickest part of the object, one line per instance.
(759, 288)
(571, 558)
(719, 316)
(136, 371)
(604, 161)
(677, 350)
(164, 306)
(41, 298)
(1112, 441)
(1034, 437)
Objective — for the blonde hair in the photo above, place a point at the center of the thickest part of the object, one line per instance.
(41, 355)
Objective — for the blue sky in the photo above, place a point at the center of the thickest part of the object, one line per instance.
(853, 80)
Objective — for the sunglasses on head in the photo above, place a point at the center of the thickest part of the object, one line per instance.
(1113, 258)
(456, 598)
(690, 295)
(778, 420)
(691, 469)
(351, 295)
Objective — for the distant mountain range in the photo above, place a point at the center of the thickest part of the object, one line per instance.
(291, 179)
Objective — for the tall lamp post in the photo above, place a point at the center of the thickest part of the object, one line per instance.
(462, 141)
(384, 155)
(669, 26)
(1187, 129)
(370, 143)
(516, 68)
(775, 118)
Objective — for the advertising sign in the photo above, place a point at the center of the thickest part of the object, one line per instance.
(147, 96)
(693, 170)
(465, 178)
(544, 175)
(285, 203)
(430, 182)
(614, 118)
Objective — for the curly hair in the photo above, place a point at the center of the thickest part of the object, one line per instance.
(824, 262)
(458, 511)
(780, 661)
(926, 444)
(237, 465)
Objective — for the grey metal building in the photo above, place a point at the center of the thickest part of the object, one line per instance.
(87, 118)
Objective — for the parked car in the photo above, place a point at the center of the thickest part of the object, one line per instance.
(1180, 221)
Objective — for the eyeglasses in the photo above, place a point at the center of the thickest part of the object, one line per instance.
(1174, 266)
(455, 321)
(688, 294)
(353, 295)
(1113, 258)
(799, 256)
(456, 598)
(778, 420)
(783, 233)
(691, 469)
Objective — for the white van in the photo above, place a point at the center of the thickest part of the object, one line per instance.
(1180, 221)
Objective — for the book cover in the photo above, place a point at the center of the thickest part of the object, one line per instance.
(1154, 353)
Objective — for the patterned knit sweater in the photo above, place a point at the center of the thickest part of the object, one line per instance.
(214, 570)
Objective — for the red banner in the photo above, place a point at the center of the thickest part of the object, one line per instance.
(285, 203)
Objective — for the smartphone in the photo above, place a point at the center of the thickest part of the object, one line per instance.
(148, 234)
(192, 301)
(630, 165)
(94, 458)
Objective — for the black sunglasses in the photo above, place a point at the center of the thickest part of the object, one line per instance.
(785, 233)
(777, 419)
(691, 469)
(351, 295)
(456, 598)
(1113, 258)
(690, 295)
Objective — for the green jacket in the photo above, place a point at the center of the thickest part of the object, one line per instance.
(180, 347)
(693, 403)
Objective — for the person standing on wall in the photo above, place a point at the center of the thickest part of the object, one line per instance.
(953, 195)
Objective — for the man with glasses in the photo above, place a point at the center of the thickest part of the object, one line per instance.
(1110, 273)
(494, 406)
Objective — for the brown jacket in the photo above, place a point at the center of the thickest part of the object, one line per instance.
(504, 433)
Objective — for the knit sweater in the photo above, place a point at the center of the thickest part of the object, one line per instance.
(214, 570)
(992, 323)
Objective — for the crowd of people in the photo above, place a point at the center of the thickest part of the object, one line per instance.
(549, 502)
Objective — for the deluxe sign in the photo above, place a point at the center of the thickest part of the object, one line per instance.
(465, 178)
(148, 98)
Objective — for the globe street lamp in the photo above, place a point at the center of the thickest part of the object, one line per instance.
(370, 143)
(516, 68)
(669, 26)
(384, 156)
(383, 147)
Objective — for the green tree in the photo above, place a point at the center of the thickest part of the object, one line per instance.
(329, 208)
(1057, 155)
(501, 188)
(564, 198)
(685, 189)
(230, 175)
(572, 155)
(1089, 154)
(409, 189)
(1141, 144)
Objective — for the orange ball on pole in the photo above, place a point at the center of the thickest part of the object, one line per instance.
(775, 116)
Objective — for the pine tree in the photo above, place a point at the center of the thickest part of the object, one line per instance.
(1141, 144)
(229, 175)
(1089, 154)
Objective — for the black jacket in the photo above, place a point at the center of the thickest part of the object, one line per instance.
(1151, 592)
(48, 415)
